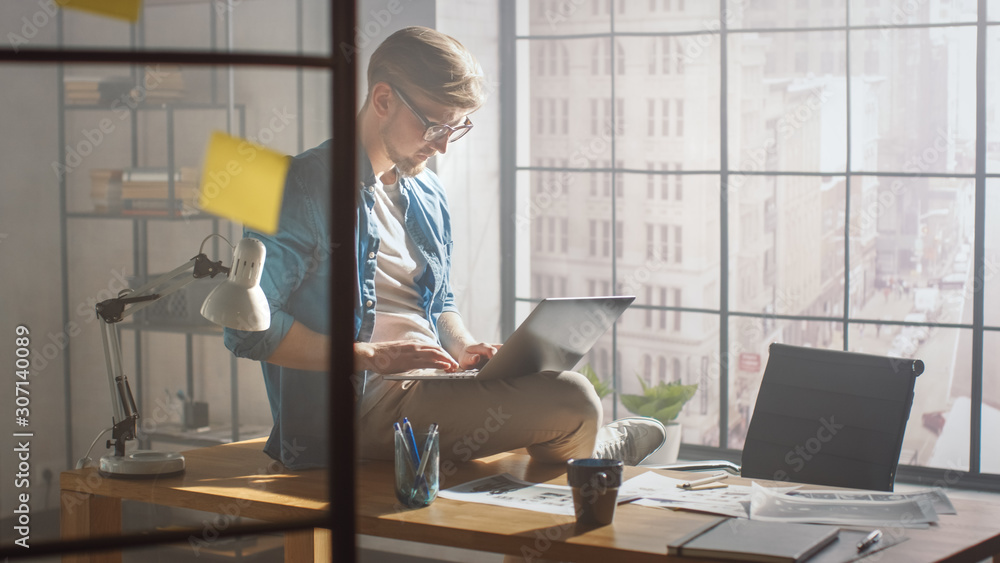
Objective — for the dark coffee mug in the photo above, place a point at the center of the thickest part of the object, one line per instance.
(595, 485)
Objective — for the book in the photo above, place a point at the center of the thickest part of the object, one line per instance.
(740, 539)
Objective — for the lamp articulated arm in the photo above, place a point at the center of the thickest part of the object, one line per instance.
(113, 311)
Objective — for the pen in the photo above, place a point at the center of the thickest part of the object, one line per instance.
(406, 443)
(705, 481)
(427, 446)
(869, 541)
(412, 440)
(707, 486)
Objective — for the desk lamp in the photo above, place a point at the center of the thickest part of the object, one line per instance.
(237, 303)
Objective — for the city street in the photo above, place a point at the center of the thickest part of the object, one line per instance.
(938, 431)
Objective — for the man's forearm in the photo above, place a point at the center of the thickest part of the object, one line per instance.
(454, 336)
(302, 348)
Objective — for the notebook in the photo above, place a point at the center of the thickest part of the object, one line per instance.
(554, 337)
(740, 539)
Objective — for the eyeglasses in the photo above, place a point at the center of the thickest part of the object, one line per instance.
(435, 131)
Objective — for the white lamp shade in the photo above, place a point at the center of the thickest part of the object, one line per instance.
(239, 303)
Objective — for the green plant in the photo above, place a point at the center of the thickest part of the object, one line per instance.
(602, 388)
(663, 401)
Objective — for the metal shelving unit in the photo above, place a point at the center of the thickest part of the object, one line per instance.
(140, 236)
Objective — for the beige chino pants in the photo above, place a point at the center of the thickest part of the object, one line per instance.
(555, 415)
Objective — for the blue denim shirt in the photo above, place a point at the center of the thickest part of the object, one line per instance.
(296, 280)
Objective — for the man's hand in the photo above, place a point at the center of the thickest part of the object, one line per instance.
(401, 355)
(476, 355)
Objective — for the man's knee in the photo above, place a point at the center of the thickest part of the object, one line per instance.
(577, 396)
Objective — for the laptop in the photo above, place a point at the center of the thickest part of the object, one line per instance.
(554, 337)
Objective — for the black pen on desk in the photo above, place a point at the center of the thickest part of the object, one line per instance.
(870, 540)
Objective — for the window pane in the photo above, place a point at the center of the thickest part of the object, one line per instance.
(785, 113)
(576, 236)
(558, 17)
(990, 462)
(911, 241)
(655, 257)
(663, 102)
(786, 242)
(694, 356)
(171, 25)
(894, 12)
(993, 12)
(992, 91)
(569, 112)
(748, 341)
(666, 16)
(123, 226)
(937, 433)
(991, 272)
(925, 123)
(781, 13)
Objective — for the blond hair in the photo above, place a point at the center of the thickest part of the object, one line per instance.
(429, 61)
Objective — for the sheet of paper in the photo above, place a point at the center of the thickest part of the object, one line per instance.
(122, 9)
(772, 506)
(507, 490)
(937, 496)
(243, 182)
(661, 491)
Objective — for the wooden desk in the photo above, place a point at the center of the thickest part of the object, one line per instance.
(240, 478)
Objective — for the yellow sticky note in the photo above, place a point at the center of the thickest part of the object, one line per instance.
(243, 182)
(122, 9)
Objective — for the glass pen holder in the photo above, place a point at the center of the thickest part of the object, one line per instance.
(417, 483)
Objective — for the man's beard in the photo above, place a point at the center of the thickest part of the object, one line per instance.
(405, 166)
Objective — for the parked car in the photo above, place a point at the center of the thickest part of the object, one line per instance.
(953, 281)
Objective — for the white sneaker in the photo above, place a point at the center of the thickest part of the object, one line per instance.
(630, 439)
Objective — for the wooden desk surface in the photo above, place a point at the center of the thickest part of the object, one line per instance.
(220, 476)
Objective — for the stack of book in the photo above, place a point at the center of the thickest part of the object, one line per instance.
(106, 190)
(162, 84)
(146, 191)
(92, 91)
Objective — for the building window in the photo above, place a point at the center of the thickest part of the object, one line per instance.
(619, 239)
(665, 118)
(679, 183)
(680, 117)
(678, 244)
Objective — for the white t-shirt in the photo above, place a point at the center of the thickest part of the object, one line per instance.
(398, 313)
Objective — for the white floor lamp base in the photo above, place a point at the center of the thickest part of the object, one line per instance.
(142, 463)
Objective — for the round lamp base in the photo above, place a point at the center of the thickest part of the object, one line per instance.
(142, 463)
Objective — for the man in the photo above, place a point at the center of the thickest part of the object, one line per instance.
(422, 87)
